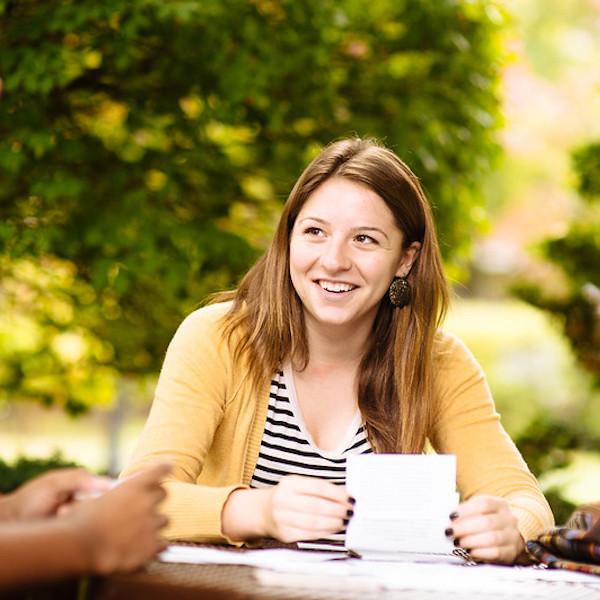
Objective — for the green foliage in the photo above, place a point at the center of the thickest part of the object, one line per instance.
(545, 401)
(150, 143)
(24, 469)
(47, 353)
(562, 509)
(576, 255)
(548, 444)
(586, 161)
(575, 303)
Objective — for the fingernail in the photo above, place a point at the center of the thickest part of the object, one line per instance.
(352, 500)
(346, 521)
(453, 516)
(449, 532)
(456, 542)
(349, 513)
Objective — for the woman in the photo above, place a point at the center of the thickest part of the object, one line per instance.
(331, 346)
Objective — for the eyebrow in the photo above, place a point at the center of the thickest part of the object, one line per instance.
(354, 229)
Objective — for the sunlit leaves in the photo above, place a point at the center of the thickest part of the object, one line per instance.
(149, 144)
(577, 255)
(47, 355)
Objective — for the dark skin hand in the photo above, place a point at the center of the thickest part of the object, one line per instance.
(44, 495)
(42, 539)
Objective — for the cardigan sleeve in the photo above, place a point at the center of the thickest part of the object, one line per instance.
(465, 423)
(188, 407)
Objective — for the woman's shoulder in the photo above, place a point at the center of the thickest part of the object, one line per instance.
(450, 352)
(459, 381)
(209, 313)
(205, 322)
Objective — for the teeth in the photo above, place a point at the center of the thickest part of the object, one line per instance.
(331, 286)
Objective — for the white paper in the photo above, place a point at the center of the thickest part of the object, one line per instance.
(403, 503)
(325, 570)
(395, 574)
(484, 580)
(273, 558)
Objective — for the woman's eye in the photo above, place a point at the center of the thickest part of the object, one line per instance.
(363, 238)
(313, 231)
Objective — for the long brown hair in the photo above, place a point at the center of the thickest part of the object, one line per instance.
(266, 321)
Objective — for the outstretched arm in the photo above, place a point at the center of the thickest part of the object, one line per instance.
(44, 495)
(115, 532)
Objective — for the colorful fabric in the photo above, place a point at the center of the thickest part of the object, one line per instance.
(575, 546)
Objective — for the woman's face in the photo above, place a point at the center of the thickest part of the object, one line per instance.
(345, 250)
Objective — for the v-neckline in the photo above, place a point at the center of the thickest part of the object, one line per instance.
(346, 440)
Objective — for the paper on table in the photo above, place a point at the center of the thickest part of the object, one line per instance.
(274, 558)
(483, 580)
(395, 574)
(402, 504)
(324, 570)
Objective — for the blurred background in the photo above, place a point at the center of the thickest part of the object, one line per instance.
(146, 148)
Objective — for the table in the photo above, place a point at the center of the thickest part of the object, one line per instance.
(229, 582)
(235, 582)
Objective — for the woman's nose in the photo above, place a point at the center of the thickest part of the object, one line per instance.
(336, 257)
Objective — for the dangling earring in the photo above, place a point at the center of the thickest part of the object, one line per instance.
(400, 292)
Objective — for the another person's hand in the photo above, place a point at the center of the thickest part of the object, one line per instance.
(297, 508)
(43, 496)
(486, 527)
(120, 530)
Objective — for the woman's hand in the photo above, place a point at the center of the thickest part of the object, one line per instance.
(297, 508)
(486, 527)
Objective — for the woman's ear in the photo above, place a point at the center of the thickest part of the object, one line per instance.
(409, 255)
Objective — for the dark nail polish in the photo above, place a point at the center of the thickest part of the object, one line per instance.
(346, 521)
(453, 516)
(350, 512)
(456, 542)
(351, 500)
(449, 532)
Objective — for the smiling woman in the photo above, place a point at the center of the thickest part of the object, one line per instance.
(331, 346)
(342, 263)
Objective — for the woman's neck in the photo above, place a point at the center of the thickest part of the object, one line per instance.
(335, 346)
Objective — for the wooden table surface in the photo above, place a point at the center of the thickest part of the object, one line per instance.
(171, 581)
(234, 582)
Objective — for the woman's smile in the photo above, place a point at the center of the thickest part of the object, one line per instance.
(336, 287)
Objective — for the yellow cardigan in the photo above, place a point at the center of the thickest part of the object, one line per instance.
(208, 418)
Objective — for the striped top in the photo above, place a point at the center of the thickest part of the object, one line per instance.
(287, 448)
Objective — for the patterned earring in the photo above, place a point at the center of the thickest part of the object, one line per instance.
(400, 292)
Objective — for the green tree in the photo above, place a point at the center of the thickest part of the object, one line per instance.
(149, 144)
(573, 298)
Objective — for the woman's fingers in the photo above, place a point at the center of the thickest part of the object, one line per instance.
(494, 554)
(487, 528)
(311, 496)
(307, 508)
(496, 538)
(311, 524)
(304, 501)
(491, 524)
(314, 486)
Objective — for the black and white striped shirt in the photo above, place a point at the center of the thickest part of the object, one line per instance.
(287, 447)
